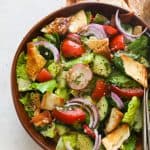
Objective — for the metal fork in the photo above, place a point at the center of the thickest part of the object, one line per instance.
(146, 123)
(147, 119)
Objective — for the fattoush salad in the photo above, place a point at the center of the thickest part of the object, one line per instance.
(82, 80)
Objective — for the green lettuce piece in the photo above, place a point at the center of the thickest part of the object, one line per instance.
(88, 16)
(62, 129)
(54, 69)
(128, 28)
(48, 86)
(24, 85)
(84, 39)
(130, 144)
(38, 38)
(140, 49)
(144, 61)
(55, 130)
(50, 132)
(133, 106)
(53, 38)
(139, 46)
(122, 80)
(118, 62)
(41, 128)
(63, 93)
(22, 78)
(29, 111)
(26, 101)
(137, 126)
(100, 19)
(21, 67)
(60, 144)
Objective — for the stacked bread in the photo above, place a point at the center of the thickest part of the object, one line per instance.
(139, 7)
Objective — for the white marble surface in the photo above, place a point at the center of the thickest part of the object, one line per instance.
(16, 18)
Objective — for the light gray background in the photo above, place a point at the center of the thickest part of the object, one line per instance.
(16, 18)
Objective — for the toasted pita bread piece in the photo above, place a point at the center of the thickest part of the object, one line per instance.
(114, 140)
(114, 120)
(136, 6)
(59, 25)
(135, 70)
(77, 21)
(35, 61)
(99, 46)
(120, 3)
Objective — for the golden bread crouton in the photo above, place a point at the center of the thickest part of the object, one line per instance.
(50, 101)
(115, 139)
(78, 21)
(137, 30)
(99, 46)
(59, 25)
(135, 70)
(35, 61)
(114, 120)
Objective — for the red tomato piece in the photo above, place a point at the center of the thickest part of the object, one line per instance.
(69, 116)
(123, 92)
(43, 75)
(117, 43)
(71, 49)
(110, 30)
(100, 90)
(88, 131)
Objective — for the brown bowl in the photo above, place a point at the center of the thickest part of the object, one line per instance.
(105, 9)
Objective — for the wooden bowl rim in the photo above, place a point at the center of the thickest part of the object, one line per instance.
(14, 90)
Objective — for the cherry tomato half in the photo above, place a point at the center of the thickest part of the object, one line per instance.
(99, 90)
(71, 49)
(127, 92)
(117, 43)
(69, 116)
(110, 30)
(43, 75)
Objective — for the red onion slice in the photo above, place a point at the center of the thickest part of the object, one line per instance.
(92, 107)
(97, 140)
(94, 29)
(117, 100)
(74, 37)
(130, 38)
(126, 34)
(51, 47)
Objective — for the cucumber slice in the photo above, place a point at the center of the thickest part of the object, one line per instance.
(103, 108)
(84, 142)
(101, 66)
